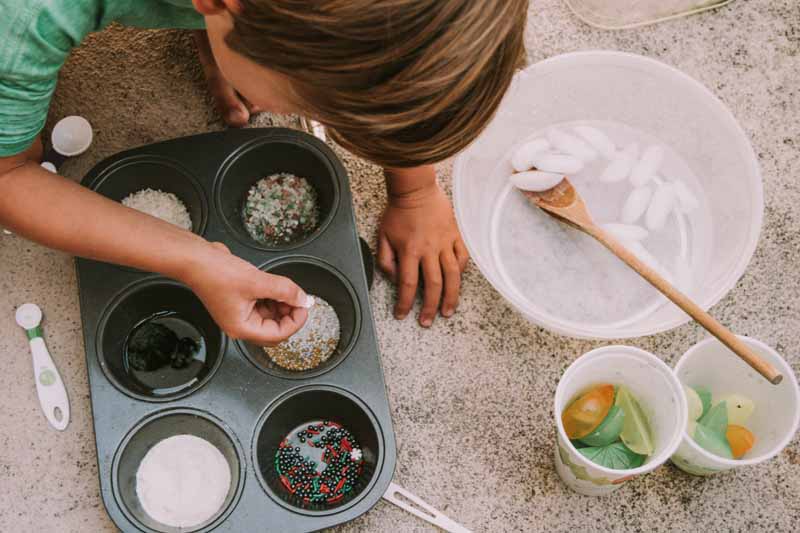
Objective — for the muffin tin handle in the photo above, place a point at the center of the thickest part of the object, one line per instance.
(419, 508)
(314, 128)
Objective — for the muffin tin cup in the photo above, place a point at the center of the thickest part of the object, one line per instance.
(157, 428)
(134, 305)
(306, 405)
(262, 158)
(320, 279)
(242, 401)
(134, 174)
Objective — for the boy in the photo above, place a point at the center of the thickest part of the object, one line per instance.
(403, 83)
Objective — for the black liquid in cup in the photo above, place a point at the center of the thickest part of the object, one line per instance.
(318, 279)
(302, 407)
(160, 174)
(152, 431)
(264, 158)
(157, 342)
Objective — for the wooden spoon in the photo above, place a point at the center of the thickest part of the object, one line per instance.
(564, 203)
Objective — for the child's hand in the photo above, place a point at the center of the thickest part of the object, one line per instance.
(244, 301)
(419, 233)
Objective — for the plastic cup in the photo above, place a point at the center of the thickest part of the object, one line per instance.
(72, 136)
(777, 407)
(659, 394)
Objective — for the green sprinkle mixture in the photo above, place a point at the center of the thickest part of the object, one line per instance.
(281, 209)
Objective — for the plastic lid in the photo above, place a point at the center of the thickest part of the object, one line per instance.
(72, 136)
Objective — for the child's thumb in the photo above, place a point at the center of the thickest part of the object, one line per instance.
(284, 290)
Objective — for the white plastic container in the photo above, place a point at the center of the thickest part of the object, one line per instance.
(618, 14)
(659, 394)
(653, 98)
(71, 136)
(774, 421)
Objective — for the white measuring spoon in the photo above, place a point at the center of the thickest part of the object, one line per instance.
(421, 509)
(52, 394)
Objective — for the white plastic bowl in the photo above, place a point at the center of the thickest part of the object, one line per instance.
(647, 95)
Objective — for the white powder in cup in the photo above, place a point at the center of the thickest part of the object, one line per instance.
(183, 481)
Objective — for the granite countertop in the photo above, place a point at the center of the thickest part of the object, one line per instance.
(471, 397)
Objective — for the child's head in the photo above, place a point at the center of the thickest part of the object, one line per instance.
(399, 82)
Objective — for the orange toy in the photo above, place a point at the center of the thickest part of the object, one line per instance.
(588, 411)
(741, 440)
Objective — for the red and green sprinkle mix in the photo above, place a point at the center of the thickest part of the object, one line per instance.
(280, 209)
(332, 476)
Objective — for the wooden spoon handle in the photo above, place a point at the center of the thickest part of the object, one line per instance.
(725, 335)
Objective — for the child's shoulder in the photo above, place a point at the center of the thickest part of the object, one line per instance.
(39, 28)
(37, 37)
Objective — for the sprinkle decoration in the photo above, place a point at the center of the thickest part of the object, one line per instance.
(280, 209)
(313, 344)
(340, 467)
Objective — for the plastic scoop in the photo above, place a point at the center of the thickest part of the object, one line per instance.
(565, 204)
(49, 386)
(414, 505)
(71, 136)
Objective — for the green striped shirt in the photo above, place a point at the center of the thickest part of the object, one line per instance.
(36, 36)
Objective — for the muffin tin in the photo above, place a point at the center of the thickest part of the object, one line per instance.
(240, 402)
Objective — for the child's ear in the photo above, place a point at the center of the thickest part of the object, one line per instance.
(215, 7)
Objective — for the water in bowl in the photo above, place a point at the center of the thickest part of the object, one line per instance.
(573, 278)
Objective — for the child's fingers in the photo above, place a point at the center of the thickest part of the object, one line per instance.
(286, 309)
(230, 106)
(268, 332)
(452, 282)
(386, 258)
(266, 309)
(407, 277)
(253, 108)
(432, 271)
(299, 316)
(462, 255)
(279, 288)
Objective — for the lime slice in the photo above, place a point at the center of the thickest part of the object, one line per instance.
(636, 433)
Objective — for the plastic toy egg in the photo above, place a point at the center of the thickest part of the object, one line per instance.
(587, 412)
(739, 408)
(609, 429)
(694, 402)
(740, 439)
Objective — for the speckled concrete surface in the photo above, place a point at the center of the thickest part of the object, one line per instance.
(480, 383)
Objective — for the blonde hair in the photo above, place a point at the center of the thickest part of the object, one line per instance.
(399, 82)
